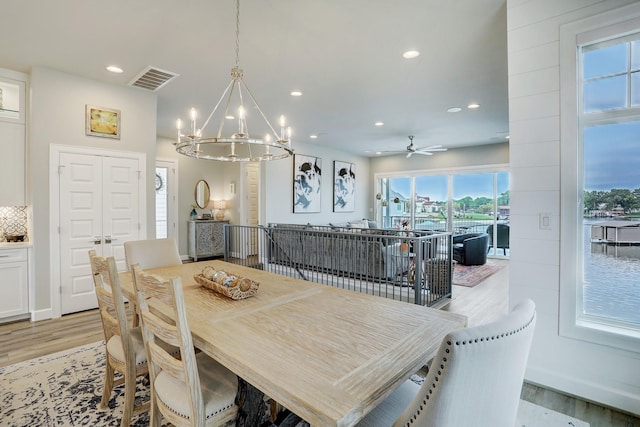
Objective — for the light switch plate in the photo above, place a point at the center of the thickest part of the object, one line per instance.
(545, 220)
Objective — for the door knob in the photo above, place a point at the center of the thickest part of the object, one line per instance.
(97, 240)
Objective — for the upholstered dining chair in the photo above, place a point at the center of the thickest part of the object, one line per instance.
(191, 391)
(475, 378)
(125, 352)
(152, 253)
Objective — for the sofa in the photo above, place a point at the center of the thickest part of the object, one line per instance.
(359, 252)
(471, 248)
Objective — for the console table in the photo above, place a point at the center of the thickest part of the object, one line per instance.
(206, 238)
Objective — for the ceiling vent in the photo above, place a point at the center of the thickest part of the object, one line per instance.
(152, 79)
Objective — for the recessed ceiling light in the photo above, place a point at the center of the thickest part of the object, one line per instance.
(378, 152)
(114, 69)
(507, 137)
(313, 136)
(229, 117)
(454, 110)
(296, 93)
(379, 123)
(473, 106)
(410, 54)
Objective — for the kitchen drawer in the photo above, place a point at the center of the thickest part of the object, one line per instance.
(13, 255)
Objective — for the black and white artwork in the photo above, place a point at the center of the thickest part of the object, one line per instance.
(344, 186)
(307, 179)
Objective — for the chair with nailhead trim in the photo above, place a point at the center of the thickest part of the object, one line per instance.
(475, 378)
(194, 390)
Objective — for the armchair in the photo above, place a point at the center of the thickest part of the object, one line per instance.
(471, 248)
(502, 241)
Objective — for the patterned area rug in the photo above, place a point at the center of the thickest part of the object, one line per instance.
(471, 275)
(63, 389)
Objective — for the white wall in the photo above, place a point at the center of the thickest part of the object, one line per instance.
(191, 171)
(592, 371)
(57, 116)
(481, 155)
(278, 189)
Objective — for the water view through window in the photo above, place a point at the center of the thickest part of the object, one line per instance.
(611, 166)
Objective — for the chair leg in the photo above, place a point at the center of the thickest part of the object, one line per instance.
(155, 416)
(129, 398)
(108, 385)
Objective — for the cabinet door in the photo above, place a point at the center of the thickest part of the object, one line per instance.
(14, 296)
(218, 238)
(204, 239)
(12, 170)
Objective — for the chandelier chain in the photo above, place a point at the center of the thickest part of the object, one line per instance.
(237, 32)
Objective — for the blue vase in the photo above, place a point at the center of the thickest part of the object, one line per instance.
(193, 214)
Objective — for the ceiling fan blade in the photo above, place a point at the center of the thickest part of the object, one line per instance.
(409, 154)
(424, 153)
(432, 148)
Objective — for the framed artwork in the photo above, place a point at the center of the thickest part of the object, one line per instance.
(103, 122)
(344, 186)
(307, 180)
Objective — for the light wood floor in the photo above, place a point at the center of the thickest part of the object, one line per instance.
(483, 303)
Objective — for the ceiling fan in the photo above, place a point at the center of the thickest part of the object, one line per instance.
(426, 151)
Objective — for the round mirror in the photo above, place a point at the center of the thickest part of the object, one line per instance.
(202, 194)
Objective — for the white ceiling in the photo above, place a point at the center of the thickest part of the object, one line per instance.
(344, 55)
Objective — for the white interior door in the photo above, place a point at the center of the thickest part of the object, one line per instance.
(250, 212)
(98, 210)
(120, 216)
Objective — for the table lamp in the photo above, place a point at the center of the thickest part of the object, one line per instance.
(219, 206)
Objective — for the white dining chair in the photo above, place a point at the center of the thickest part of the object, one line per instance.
(191, 391)
(152, 253)
(125, 352)
(475, 378)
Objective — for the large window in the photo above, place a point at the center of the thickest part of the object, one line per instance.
(461, 202)
(601, 157)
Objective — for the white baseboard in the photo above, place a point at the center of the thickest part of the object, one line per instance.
(38, 315)
(593, 392)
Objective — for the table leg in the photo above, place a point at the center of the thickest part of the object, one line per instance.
(252, 409)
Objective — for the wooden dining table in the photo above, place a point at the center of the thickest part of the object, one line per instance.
(328, 355)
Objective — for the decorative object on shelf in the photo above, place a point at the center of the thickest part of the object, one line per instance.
(396, 200)
(307, 178)
(219, 206)
(104, 122)
(230, 285)
(344, 186)
(194, 213)
(378, 196)
(239, 146)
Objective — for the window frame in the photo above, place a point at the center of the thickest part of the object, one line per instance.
(597, 29)
(447, 172)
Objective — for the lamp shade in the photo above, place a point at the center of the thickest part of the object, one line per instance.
(219, 204)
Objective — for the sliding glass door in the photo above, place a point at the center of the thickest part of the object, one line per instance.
(456, 202)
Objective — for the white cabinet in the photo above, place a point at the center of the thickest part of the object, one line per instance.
(12, 171)
(206, 238)
(12, 137)
(14, 283)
